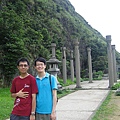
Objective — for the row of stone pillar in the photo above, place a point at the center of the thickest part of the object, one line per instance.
(53, 64)
(77, 65)
(111, 62)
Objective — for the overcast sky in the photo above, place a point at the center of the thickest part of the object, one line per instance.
(102, 15)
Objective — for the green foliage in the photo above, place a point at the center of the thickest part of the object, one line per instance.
(100, 63)
(84, 73)
(97, 75)
(84, 79)
(69, 82)
(117, 93)
(11, 44)
(116, 86)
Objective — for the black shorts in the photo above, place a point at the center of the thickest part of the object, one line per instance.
(17, 117)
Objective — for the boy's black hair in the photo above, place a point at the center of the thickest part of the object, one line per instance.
(22, 60)
(40, 59)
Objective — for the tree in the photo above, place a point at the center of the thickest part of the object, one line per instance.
(11, 44)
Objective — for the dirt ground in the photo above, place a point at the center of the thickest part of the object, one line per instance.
(114, 104)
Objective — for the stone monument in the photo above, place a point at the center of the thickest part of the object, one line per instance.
(53, 64)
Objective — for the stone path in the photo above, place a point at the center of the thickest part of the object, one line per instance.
(82, 104)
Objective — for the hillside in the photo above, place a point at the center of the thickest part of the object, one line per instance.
(28, 27)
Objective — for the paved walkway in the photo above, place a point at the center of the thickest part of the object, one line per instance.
(82, 104)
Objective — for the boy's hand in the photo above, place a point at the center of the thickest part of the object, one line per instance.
(22, 94)
(32, 117)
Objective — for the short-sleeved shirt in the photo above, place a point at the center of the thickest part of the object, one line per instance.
(22, 106)
(44, 99)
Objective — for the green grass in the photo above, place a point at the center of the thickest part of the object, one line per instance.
(105, 110)
(6, 103)
(68, 82)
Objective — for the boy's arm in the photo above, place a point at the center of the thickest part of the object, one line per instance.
(53, 114)
(32, 116)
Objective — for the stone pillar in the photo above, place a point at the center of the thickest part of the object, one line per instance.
(110, 61)
(114, 63)
(77, 64)
(90, 65)
(53, 45)
(72, 65)
(64, 65)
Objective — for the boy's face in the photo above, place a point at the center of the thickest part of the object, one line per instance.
(23, 67)
(40, 67)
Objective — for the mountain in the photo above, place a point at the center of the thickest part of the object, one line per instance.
(28, 27)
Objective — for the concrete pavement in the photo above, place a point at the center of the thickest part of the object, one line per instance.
(82, 104)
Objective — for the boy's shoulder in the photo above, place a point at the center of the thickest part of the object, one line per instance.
(52, 76)
(31, 76)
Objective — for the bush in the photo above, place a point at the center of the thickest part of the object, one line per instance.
(116, 86)
(68, 82)
(97, 75)
(117, 93)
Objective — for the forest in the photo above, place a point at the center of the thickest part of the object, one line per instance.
(28, 27)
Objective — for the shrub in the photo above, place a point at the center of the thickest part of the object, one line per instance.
(117, 93)
(116, 86)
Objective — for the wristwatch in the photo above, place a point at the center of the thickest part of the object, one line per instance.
(32, 113)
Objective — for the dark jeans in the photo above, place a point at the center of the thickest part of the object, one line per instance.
(17, 117)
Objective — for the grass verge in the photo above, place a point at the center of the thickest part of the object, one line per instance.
(6, 103)
(105, 109)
